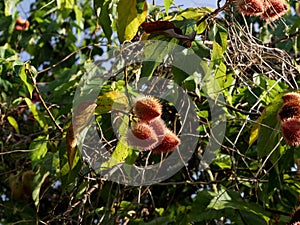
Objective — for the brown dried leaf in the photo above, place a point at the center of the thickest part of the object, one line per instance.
(168, 29)
(82, 116)
(71, 142)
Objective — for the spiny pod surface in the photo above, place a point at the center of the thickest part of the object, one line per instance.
(147, 108)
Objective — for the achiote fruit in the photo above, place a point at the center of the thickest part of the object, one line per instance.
(159, 127)
(147, 108)
(289, 116)
(169, 143)
(142, 136)
(291, 131)
(250, 7)
(150, 131)
(295, 219)
(290, 109)
(291, 96)
(274, 9)
(268, 10)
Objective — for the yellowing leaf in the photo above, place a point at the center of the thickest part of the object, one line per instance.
(255, 129)
(106, 101)
(129, 18)
(14, 123)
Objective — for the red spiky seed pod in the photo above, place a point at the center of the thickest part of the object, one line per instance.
(159, 127)
(290, 129)
(169, 143)
(295, 220)
(274, 9)
(147, 108)
(250, 7)
(290, 109)
(291, 96)
(141, 136)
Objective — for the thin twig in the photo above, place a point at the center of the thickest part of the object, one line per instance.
(15, 151)
(214, 13)
(285, 38)
(42, 100)
(67, 57)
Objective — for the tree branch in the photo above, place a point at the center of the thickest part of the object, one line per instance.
(42, 100)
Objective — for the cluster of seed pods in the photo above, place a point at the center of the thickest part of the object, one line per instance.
(268, 10)
(149, 132)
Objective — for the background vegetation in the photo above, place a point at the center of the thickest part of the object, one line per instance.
(253, 180)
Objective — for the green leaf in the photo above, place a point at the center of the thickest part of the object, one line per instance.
(160, 220)
(223, 161)
(79, 19)
(193, 13)
(131, 156)
(255, 129)
(119, 155)
(39, 150)
(269, 129)
(200, 49)
(167, 4)
(217, 55)
(220, 36)
(65, 4)
(20, 69)
(38, 116)
(10, 7)
(121, 151)
(65, 7)
(14, 123)
(209, 205)
(128, 19)
(104, 17)
(37, 184)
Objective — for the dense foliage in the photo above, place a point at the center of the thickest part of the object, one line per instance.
(254, 178)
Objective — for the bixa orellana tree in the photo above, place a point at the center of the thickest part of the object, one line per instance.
(131, 112)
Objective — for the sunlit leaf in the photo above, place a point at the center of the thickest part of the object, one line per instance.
(79, 19)
(128, 19)
(167, 4)
(14, 123)
(193, 13)
(20, 69)
(106, 101)
(38, 116)
(38, 149)
(223, 161)
(255, 129)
